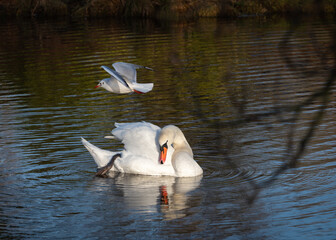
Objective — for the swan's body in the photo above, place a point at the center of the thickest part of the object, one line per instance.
(142, 143)
(123, 79)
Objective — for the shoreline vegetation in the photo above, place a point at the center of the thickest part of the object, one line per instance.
(163, 9)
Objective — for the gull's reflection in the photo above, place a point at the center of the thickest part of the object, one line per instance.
(168, 195)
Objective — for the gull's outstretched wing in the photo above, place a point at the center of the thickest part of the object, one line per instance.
(128, 70)
(116, 75)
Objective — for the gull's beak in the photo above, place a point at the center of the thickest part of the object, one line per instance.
(97, 86)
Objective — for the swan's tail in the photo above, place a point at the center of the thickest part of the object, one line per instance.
(142, 87)
(101, 157)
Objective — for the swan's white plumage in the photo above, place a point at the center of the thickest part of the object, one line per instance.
(141, 151)
(138, 138)
(100, 156)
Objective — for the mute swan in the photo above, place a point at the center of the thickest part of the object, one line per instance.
(123, 79)
(148, 150)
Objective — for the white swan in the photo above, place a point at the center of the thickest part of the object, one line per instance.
(148, 150)
(123, 79)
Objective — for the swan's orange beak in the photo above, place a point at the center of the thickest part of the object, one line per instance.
(163, 153)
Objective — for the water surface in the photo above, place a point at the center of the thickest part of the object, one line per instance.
(208, 74)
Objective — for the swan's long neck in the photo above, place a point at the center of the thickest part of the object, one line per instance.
(176, 138)
(180, 144)
(182, 159)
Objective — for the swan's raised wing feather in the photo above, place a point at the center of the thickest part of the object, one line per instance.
(138, 138)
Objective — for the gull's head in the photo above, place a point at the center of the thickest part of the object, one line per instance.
(102, 84)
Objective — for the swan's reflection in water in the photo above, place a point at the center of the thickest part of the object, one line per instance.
(165, 194)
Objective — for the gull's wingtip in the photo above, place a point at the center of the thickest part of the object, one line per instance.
(148, 68)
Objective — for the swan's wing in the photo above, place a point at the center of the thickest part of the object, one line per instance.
(139, 138)
(116, 75)
(128, 70)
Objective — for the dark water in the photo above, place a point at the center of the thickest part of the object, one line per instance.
(208, 74)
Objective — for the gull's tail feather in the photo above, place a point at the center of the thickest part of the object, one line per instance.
(142, 87)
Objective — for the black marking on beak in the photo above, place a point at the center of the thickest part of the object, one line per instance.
(163, 146)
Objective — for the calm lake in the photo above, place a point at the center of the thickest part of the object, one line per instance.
(209, 75)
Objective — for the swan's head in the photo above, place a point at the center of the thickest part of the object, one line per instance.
(102, 83)
(166, 139)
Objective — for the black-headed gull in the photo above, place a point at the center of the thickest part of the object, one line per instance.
(123, 79)
(148, 150)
